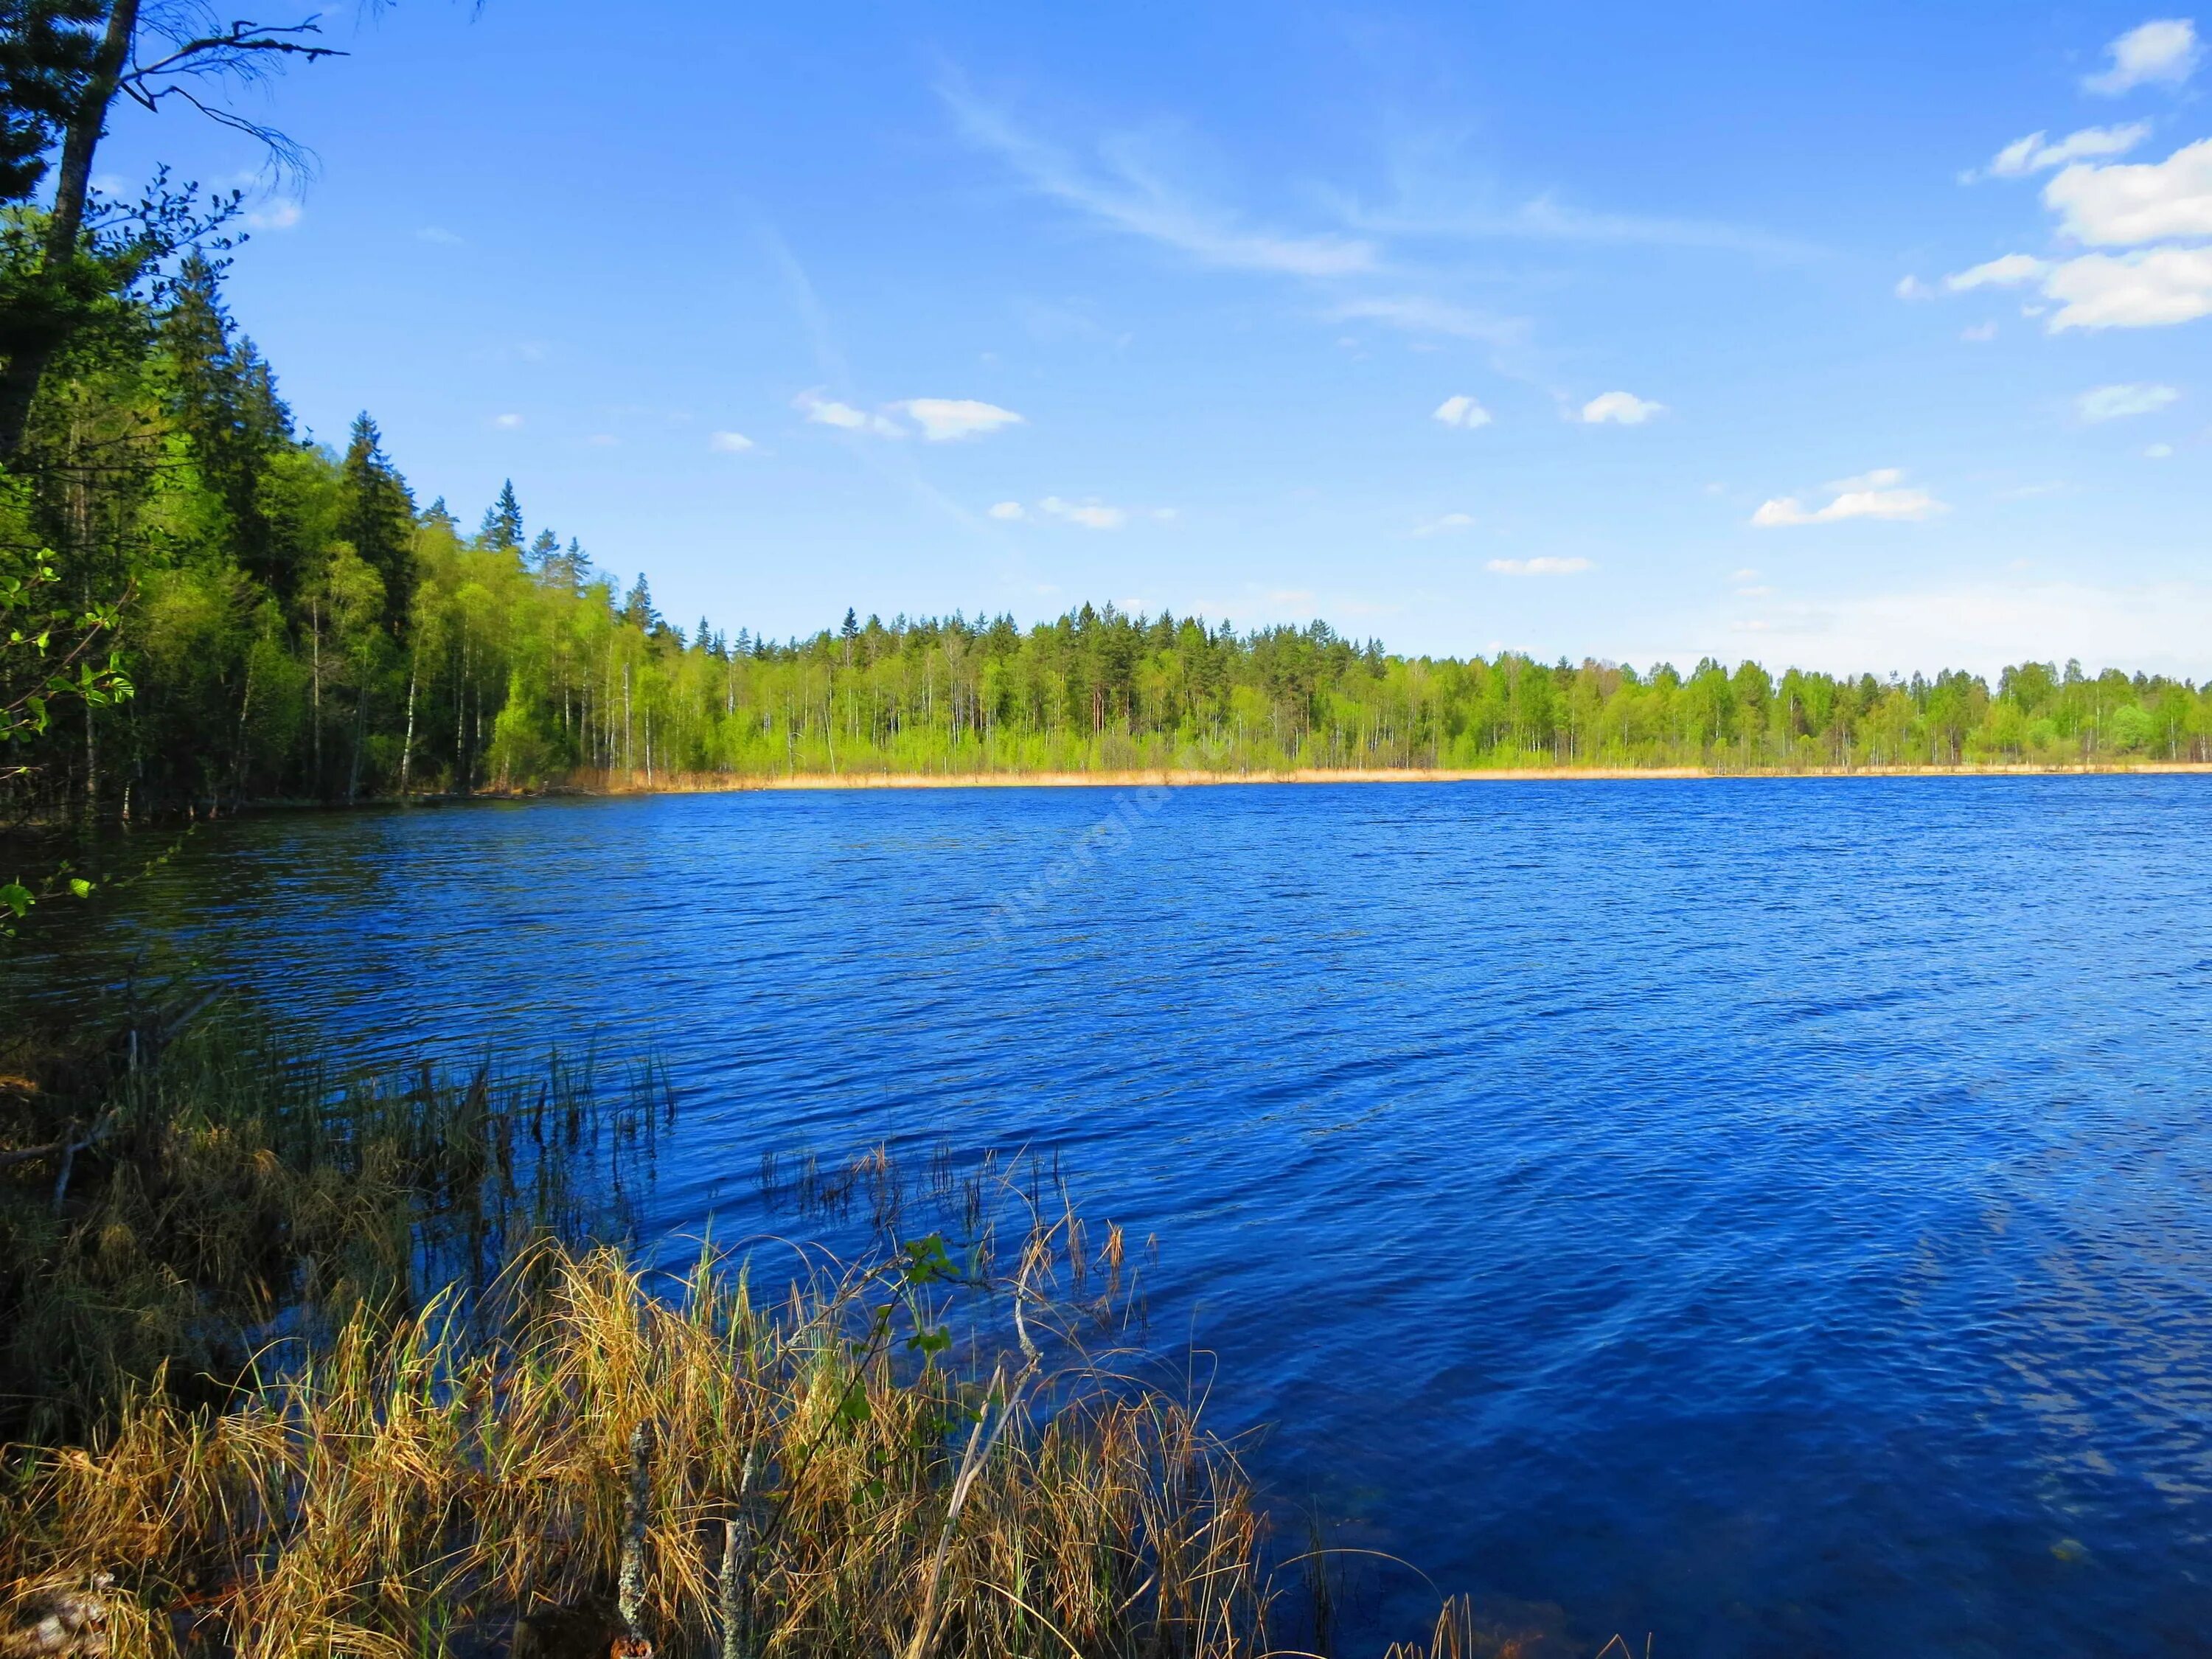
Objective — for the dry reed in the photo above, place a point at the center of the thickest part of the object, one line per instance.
(898, 1489)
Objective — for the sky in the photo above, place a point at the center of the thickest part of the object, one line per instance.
(1856, 336)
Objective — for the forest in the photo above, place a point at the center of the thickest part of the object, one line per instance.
(290, 624)
(201, 608)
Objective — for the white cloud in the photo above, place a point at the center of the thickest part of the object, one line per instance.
(1911, 288)
(1979, 333)
(275, 216)
(507, 422)
(2158, 452)
(1092, 514)
(2032, 154)
(1621, 408)
(944, 420)
(729, 443)
(2009, 272)
(1449, 522)
(827, 411)
(1007, 511)
(1881, 493)
(2132, 203)
(2111, 402)
(438, 233)
(2163, 51)
(2149, 289)
(1538, 567)
(1461, 410)
(1127, 190)
(1754, 593)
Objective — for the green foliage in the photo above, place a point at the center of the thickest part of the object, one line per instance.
(294, 628)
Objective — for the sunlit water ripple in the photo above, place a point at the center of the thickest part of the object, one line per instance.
(1769, 1214)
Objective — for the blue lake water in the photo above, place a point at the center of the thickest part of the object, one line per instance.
(1776, 1215)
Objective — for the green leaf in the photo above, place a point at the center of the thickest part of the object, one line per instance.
(80, 886)
(17, 897)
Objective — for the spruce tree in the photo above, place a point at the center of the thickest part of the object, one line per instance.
(224, 399)
(377, 515)
(637, 610)
(501, 531)
(544, 548)
(569, 568)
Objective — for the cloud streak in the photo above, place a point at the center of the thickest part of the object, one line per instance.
(1124, 190)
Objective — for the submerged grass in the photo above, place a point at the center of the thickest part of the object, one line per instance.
(302, 1362)
(176, 1192)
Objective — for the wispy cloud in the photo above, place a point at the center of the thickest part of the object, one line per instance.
(1445, 524)
(1428, 210)
(729, 443)
(507, 423)
(1418, 314)
(438, 234)
(2162, 53)
(2113, 403)
(1125, 188)
(1092, 514)
(2009, 271)
(1089, 513)
(1545, 566)
(1881, 493)
(2035, 154)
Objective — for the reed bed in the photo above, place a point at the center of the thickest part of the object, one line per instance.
(178, 1189)
(301, 1361)
(586, 1462)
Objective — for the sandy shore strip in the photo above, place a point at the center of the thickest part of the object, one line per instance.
(715, 783)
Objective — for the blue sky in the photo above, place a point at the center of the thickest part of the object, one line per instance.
(1587, 329)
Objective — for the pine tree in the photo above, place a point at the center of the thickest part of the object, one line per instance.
(440, 517)
(501, 531)
(637, 610)
(544, 548)
(377, 515)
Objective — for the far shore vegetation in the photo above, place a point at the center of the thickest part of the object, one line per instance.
(204, 609)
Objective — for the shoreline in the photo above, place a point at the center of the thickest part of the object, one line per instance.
(1177, 778)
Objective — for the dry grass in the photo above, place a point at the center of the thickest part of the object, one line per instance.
(423, 1482)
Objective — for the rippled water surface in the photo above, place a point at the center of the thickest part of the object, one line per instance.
(1774, 1215)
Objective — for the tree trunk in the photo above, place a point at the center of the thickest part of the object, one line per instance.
(407, 743)
(359, 734)
(315, 629)
(19, 382)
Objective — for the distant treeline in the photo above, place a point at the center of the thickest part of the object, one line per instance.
(297, 625)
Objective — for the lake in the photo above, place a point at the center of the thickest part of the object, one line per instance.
(1772, 1214)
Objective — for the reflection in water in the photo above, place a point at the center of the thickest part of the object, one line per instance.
(1770, 1213)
